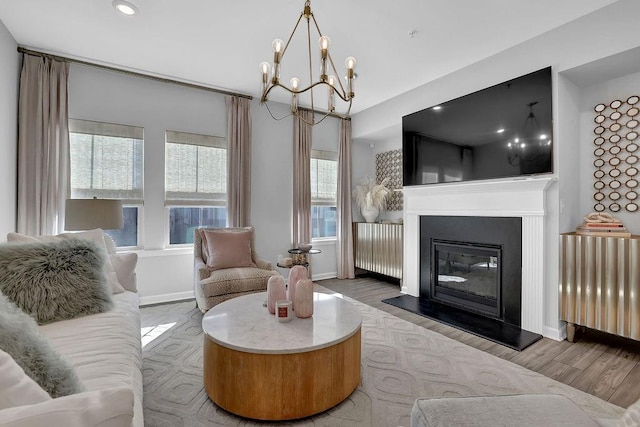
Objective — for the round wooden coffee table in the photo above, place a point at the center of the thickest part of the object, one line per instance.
(257, 367)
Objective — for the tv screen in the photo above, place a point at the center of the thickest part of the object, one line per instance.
(499, 132)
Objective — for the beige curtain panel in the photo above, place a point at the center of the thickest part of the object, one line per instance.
(301, 178)
(238, 162)
(43, 145)
(344, 231)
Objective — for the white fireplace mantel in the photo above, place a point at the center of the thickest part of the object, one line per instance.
(524, 198)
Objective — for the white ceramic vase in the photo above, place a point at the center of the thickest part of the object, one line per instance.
(370, 213)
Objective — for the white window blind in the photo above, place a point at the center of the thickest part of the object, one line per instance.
(324, 177)
(195, 170)
(106, 161)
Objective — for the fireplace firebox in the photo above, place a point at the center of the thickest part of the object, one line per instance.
(467, 275)
(474, 264)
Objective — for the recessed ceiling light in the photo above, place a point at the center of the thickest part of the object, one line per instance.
(125, 7)
(437, 107)
(500, 130)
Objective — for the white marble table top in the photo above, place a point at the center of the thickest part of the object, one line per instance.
(243, 324)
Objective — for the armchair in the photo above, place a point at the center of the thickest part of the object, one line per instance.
(226, 274)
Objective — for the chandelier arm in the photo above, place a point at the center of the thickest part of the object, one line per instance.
(274, 117)
(299, 91)
(310, 62)
(291, 37)
(333, 66)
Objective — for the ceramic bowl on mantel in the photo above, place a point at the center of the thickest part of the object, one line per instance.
(305, 247)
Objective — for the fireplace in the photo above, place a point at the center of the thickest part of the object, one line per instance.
(467, 275)
(474, 264)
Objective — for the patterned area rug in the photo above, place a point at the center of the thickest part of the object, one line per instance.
(400, 362)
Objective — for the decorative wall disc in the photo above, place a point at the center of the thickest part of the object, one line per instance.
(615, 138)
(631, 207)
(631, 148)
(615, 127)
(598, 152)
(598, 163)
(631, 136)
(599, 130)
(615, 104)
(599, 108)
(631, 195)
(615, 195)
(632, 112)
(615, 115)
(632, 100)
(632, 183)
(632, 171)
(614, 161)
(599, 140)
(614, 173)
(615, 184)
(632, 159)
(599, 119)
(614, 207)
(599, 196)
(599, 207)
(632, 124)
(599, 174)
(615, 150)
(599, 185)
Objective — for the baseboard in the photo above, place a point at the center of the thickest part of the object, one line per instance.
(157, 299)
(555, 334)
(324, 276)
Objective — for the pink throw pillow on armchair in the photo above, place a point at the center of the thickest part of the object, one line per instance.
(228, 249)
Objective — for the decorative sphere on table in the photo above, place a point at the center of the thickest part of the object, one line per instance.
(276, 291)
(304, 298)
(297, 273)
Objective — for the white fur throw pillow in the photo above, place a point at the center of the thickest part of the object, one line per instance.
(56, 280)
(16, 387)
(23, 341)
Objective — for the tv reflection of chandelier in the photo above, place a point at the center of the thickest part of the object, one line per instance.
(526, 147)
(327, 76)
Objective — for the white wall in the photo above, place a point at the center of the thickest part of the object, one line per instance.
(9, 79)
(166, 274)
(606, 32)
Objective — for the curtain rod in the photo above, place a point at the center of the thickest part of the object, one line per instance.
(132, 73)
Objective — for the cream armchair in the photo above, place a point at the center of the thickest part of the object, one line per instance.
(215, 285)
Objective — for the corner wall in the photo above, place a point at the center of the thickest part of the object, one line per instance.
(9, 80)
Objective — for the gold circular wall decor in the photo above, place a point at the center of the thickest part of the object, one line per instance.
(616, 159)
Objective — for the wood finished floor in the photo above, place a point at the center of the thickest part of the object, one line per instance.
(600, 364)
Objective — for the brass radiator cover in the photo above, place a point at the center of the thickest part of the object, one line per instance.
(600, 283)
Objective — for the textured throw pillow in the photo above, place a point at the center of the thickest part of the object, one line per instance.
(228, 249)
(97, 236)
(16, 387)
(55, 280)
(21, 339)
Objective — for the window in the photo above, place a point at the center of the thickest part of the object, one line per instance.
(324, 186)
(107, 163)
(195, 183)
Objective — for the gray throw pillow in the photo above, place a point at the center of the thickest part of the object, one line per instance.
(55, 280)
(21, 339)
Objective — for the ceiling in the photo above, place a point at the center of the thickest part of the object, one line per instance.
(221, 43)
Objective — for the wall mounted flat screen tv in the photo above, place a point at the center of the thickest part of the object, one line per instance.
(500, 132)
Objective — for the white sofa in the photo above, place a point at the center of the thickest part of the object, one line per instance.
(105, 352)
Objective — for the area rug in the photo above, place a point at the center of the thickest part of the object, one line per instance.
(400, 363)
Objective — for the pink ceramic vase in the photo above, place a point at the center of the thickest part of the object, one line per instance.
(304, 298)
(276, 291)
(297, 273)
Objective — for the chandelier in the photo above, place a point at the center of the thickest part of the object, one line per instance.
(327, 77)
(526, 148)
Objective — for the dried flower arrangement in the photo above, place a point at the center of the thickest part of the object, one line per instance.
(367, 193)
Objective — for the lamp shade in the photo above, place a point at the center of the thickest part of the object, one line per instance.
(87, 214)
